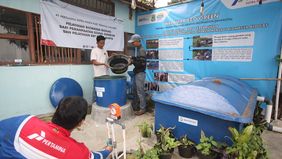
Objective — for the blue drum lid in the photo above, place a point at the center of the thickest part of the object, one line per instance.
(64, 87)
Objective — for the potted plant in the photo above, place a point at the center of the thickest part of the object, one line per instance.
(206, 146)
(162, 131)
(151, 154)
(246, 144)
(145, 129)
(186, 148)
(166, 144)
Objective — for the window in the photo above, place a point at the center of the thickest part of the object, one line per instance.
(20, 38)
(13, 36)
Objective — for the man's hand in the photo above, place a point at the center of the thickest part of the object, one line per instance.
(113, 54)
(108, 66)
(109, 145)
(109, 148)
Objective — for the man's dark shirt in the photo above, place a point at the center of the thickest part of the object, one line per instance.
(139, 63)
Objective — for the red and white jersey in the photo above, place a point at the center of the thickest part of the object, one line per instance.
(36, 139)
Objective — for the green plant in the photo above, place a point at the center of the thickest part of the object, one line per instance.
(145, 129)
(206, 145)
(140, 151)
(258, 119)
(185, 141)
(167, 141)
(162, 131)
(151, 154)
(246, 144)
(257, 144)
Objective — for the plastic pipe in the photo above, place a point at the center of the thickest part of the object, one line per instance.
(274, 128)
(278, 85)
(269, 106)
(124, 143)
(260, 98)
(268, 113)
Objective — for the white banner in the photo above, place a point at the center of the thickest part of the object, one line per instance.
(66, 25)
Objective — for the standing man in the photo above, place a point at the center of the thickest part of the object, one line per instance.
(139, 62)
(99, 58)
(29, 137)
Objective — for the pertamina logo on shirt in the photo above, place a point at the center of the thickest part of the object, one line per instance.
(41, 138)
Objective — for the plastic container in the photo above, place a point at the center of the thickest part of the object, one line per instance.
(212, 104)
(110, 89)
(64, 87)
(118, 63)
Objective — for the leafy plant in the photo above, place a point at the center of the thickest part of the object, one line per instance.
(258, 119)
(140, 151)
(151, 154)
(247, 144)
(145, 129)
(257, 144)
(206, 145)
(167, 141)
(162, 131)
(185, 141)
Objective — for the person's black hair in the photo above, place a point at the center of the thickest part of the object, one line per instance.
(70, 112)
(100, 37)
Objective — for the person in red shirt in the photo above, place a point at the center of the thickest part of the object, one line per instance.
(29, 137)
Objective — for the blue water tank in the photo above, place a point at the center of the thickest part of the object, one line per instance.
(212, 104)
(110, 89)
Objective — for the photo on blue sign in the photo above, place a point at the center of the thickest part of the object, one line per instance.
(203, 54)
(202, 41)
(152, 44)
(153, 65)
(152, 54)
(161, 76)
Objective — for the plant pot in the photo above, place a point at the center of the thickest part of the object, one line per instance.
(165, 155)
(171, 150)
(146, 134)
(186, 151)
(202, 156)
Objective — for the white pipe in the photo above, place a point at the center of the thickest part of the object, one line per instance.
(267, 116)
(124, 143)
(109, 134)
(274, 128)
(260, 98)
(114, 141)
(277, 129)
(108, 128)
(278, 88)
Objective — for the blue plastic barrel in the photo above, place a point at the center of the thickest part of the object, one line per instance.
(110, 89)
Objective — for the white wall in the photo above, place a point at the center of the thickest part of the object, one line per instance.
(25, 89)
